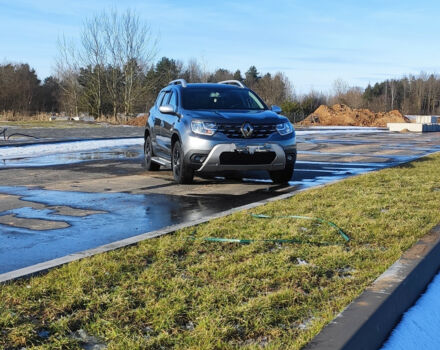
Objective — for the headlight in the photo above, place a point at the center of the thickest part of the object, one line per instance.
(203, 128)
(285, 128)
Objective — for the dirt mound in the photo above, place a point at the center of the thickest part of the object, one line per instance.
(340, 114)
(140, 120)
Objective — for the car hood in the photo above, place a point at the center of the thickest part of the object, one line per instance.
(241, 116)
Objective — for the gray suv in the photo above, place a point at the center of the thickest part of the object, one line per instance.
(217, 127)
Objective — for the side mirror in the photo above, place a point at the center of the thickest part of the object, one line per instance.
(167, 109)
(276, 109)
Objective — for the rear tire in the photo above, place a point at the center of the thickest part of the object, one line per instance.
(283, 176)
(148, 155)
(181, 172)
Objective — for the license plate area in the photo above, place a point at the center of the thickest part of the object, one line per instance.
(241, 158)
(251, 149)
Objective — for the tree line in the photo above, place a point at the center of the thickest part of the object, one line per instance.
(411, 95)
(88, 90)
(21, 92)
(419, 95)
(112, 71)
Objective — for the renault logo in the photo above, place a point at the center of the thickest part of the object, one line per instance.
(247, 129)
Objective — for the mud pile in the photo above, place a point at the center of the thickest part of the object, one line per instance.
(138, 121)
(343, 115)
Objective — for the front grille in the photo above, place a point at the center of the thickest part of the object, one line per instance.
(236, 158)
(233, 130)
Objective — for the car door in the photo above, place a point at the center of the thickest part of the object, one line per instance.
(169, 122)
(154, 121)
(159, 123)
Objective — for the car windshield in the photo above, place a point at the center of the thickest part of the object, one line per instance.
(218, 98)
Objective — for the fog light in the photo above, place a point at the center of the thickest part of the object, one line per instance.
(198, 158)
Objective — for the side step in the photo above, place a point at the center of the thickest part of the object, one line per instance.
(162, 161)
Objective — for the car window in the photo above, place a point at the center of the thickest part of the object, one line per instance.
(166, 98)
(159, 98)
(218, 98)
(252, 102)
(173, 99)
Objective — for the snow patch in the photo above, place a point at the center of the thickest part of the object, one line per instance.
(339, 130)
(419, 328)
(37, 150)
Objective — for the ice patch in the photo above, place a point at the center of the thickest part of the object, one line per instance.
(37, 150)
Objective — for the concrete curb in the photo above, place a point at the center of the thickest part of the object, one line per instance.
(369, 319)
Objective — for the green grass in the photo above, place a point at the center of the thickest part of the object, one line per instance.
(175, 292)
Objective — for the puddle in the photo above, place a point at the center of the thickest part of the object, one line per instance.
(398, 158)
(310, 174)
(106, 217)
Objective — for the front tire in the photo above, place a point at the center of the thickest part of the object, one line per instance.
(148, 155)
(283, 176)
(181, 172)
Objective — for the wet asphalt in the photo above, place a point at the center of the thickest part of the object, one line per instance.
(58, 204)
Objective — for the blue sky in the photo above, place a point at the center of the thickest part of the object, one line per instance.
(313, 42)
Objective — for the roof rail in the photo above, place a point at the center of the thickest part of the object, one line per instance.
(233, 82)
(178, 81)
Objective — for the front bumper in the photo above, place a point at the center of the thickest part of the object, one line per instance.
(234, 156)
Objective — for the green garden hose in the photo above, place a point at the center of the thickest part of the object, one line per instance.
(342, 233)
(262, 216)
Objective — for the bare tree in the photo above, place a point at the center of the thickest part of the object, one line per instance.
(274, 90)
(393, 91)
(420, 92)
(67, 71)
(348, 95)
(354, 97)
(219, 75)
(93, 55)
(340, 88)
(111, 60)
(138, 49)
(194, 72)
(114, 77)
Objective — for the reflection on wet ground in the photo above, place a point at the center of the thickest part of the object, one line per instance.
(106, 153)
(309, 174)
(90, 198)
(120, 215)
(104, 218)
